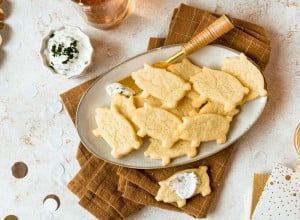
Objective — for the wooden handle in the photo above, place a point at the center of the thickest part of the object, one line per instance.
(219, 27)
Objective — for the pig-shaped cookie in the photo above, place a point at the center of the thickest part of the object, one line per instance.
(245, 71)
(161, 84)
(218, 86)
(205, 127)
(158, 124)
(180, 148)
(117, 131)
(167, 194)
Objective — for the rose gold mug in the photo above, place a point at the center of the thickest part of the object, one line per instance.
(104, 14)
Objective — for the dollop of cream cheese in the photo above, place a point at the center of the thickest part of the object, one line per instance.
(66, 52)
(184, 184)
(115, 88)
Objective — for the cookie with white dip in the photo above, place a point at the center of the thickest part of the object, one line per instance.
(66, 51)
(184, 185)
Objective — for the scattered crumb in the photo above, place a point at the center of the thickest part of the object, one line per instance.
(290, 3)
(67, 141)
(110, 52)
(27, 140)
(218, 9)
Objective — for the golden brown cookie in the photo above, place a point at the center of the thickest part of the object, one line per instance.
(197, 100)
(184, 107)
(218, 86)
(161, 84)
(125, 105)
(180, 148)
(205, 127)
(249, 75)
(117, 131)
(185, 69)
(217, 108)
(167, 194)
(140, 100)
(158, 124)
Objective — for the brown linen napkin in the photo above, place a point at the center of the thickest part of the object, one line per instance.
(96, 185)
(147, 181)
(245, 37)
(101, 185)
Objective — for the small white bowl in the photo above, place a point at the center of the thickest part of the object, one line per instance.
(87, 47)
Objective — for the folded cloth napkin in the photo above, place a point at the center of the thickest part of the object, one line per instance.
(146, 180)
(96, 184)
(112, 192)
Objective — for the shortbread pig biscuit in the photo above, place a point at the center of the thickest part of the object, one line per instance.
(125, 105)
(158, 124)
(219, 86)
(249, 75)
(197, 100)
(161, 84)
(180, 148)
(217, 108)
(168, 191)
(184, 107)
(205, 127)
(139, 101)
(184, 69)
(116, 130)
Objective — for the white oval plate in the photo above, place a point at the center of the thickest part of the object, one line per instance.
(96, 96)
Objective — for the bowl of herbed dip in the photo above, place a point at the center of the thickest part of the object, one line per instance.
(66, 51)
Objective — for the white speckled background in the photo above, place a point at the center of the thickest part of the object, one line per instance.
(32, 133)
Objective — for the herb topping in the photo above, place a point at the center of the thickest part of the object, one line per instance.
(71, 51)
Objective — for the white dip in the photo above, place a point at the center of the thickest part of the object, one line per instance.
(115, 88)
(67, 51)
(184, 184)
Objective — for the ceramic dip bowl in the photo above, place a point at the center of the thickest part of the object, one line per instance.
(66, 51)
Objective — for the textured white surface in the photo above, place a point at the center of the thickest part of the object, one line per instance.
(25, 120)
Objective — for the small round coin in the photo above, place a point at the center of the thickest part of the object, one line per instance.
(11, 217)
(51, 202)
(19, 170)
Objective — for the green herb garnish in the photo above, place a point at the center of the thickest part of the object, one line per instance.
(71, 52)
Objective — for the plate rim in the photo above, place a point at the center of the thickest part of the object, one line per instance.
(191, 160)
